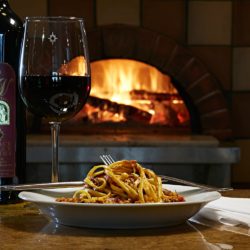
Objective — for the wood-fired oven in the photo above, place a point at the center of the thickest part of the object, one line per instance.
(167, 87)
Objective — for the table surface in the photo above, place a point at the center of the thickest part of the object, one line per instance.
(22, 226)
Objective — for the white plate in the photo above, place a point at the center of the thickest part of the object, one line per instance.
(147, 215)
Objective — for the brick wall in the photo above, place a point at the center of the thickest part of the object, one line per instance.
(217, 32)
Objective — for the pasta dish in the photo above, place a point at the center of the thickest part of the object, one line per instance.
(123, 181)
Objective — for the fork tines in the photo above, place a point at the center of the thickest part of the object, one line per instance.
(107, 159)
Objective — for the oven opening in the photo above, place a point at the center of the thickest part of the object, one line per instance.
(129, 91)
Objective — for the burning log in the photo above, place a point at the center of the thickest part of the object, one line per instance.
(146, 95)
(129, 112)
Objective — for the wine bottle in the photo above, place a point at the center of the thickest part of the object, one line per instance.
(12, 111)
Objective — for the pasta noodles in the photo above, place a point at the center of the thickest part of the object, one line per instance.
(123, 181)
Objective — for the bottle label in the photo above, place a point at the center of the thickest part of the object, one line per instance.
(7, 121)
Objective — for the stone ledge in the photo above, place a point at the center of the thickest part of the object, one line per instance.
(126, 140)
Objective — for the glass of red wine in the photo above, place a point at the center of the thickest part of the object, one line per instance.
(54, 73)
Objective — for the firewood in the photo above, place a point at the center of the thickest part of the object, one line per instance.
(129, 112)
(146, 95)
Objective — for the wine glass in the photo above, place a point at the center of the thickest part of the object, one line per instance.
(54, 73)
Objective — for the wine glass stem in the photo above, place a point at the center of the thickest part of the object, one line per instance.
(55, 128)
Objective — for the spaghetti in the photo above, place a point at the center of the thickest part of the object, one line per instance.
(123, 181)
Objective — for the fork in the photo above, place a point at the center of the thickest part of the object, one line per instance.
(108, 159)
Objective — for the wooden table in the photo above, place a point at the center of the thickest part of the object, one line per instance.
(23, 227)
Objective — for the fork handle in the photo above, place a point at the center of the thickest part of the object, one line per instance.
(204, 187)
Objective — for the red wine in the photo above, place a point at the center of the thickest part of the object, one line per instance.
(56, 98)
(12, 111)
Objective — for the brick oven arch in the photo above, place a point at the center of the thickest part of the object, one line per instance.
(136, 43)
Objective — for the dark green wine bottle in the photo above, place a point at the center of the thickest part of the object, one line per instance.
(12, 111)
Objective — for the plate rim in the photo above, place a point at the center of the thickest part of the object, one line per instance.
(214, 196)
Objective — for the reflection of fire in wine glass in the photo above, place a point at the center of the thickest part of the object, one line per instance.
(54, 71)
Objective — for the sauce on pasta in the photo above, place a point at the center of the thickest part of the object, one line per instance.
(123, 181)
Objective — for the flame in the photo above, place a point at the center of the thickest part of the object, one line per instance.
(115, 78)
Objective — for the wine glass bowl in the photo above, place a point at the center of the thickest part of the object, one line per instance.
(57, 98)
(54, 74)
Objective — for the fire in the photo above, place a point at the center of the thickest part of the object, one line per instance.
(125, 90)
(124, 86)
